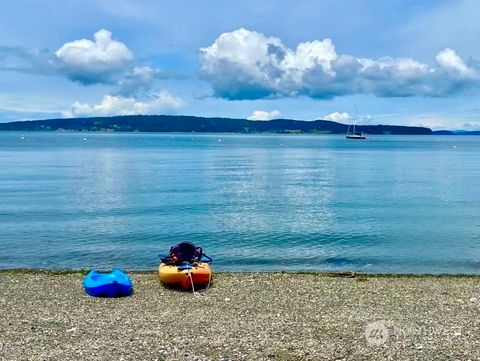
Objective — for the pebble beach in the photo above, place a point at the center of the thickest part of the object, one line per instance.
(242, 316)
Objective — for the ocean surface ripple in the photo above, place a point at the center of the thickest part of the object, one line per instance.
(390, 204)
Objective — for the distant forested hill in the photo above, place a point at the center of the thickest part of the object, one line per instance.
(171, 123)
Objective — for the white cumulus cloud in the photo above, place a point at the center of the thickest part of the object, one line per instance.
(264, 115)
(337, 117)
(102, 60)
(448, 59)
(118, 105)
(245, 64)
(97, 61)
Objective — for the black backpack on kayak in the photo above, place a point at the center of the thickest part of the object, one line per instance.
(185, 253)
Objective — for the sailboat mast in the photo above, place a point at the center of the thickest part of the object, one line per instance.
(355, 114)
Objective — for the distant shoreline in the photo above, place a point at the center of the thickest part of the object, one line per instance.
(434, 133)
(189, 124)
(192, 124)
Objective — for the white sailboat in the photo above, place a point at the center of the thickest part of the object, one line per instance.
(354, 134)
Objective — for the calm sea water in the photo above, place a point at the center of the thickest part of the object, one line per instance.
(408, 204)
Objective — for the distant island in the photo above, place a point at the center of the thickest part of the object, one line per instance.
(183, 123)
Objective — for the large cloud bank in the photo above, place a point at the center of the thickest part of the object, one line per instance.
(245, 64)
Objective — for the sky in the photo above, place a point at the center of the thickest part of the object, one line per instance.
(365, 61)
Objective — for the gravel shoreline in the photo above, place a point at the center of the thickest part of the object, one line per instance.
(243, 316)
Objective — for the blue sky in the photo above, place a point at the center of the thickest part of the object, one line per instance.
(402, 62)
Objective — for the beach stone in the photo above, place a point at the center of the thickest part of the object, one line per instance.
(273, 316)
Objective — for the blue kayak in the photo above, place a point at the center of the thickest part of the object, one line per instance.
(114, 284)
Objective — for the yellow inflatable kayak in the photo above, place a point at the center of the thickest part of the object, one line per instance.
(186, 266)
(200, 274)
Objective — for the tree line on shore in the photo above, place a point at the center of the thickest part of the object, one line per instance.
(181, 123)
